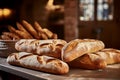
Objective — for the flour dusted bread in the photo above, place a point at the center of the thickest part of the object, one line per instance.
(88, 61)
(41, 63)
(97, 60)
(79, 47)
(51, 47)
(110, 55)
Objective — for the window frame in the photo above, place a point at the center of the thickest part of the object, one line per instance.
(95, 13)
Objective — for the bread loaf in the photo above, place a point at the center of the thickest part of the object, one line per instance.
(97, 60)
(88, 61)
(79, 47)
(110, 55)
(30, 29)
(51, 47)
(41, 63)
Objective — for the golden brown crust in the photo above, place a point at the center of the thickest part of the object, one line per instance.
(88, 61)
(11, 35)
(79, 47)
(5, 37)
(22, 34)
(54, 36)
(51, 47)
(30, 29)
(21, 28)
(41, 63)
(27, 31)
(110, 55)
(37, 27)
(97, 60)
(44, 36)
(11, 29)
(48, 32)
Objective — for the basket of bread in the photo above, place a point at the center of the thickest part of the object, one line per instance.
(24, 30)
(40, 49)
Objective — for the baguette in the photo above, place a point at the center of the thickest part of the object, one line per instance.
(54, 36)
(110, 55)
(22, 34)
(88, 61)
(41, 63)
(12, 29)
(30, 29)
(21, 28)
(79, 47)
(51, 47)
(37, 27)
(5, 37)
(11, 35)
(97, 60)
(48, 33)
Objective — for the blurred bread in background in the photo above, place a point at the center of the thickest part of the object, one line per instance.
(27, 31)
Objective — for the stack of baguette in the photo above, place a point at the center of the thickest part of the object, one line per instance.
(26, 31)
(42, 55)
(89, 54)
(57, 56)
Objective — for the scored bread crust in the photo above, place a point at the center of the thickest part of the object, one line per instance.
(79, 47)
(88, 61)
(97, 60)
(41, 63)
(110, 55)
(51, 47)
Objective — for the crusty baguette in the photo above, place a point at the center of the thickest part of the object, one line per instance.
(51, 47)
(88, 61)
(21, 28)
(11, 29)
(44, 36)
(97, 60)
(48, 32)
(79, 47)
(41, 63)
(22, 34)
(11, 35)
(30, 29)
(5, 37)
(110, 55)
(37, 27)
(54, 36)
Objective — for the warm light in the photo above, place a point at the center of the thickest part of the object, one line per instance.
(6, 12)
(51, 6)
(1, 12)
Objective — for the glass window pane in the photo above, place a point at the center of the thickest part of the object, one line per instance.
(105, 10)
(86, 10)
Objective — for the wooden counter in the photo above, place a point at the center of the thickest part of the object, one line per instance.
(112, 72)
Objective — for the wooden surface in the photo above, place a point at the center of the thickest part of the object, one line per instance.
(112, 72)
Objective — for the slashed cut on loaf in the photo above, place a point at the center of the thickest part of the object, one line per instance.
(97, 60)
(51, 47)
(79, 47)
(41, 63)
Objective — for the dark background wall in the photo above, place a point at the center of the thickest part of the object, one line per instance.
(71, 27)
